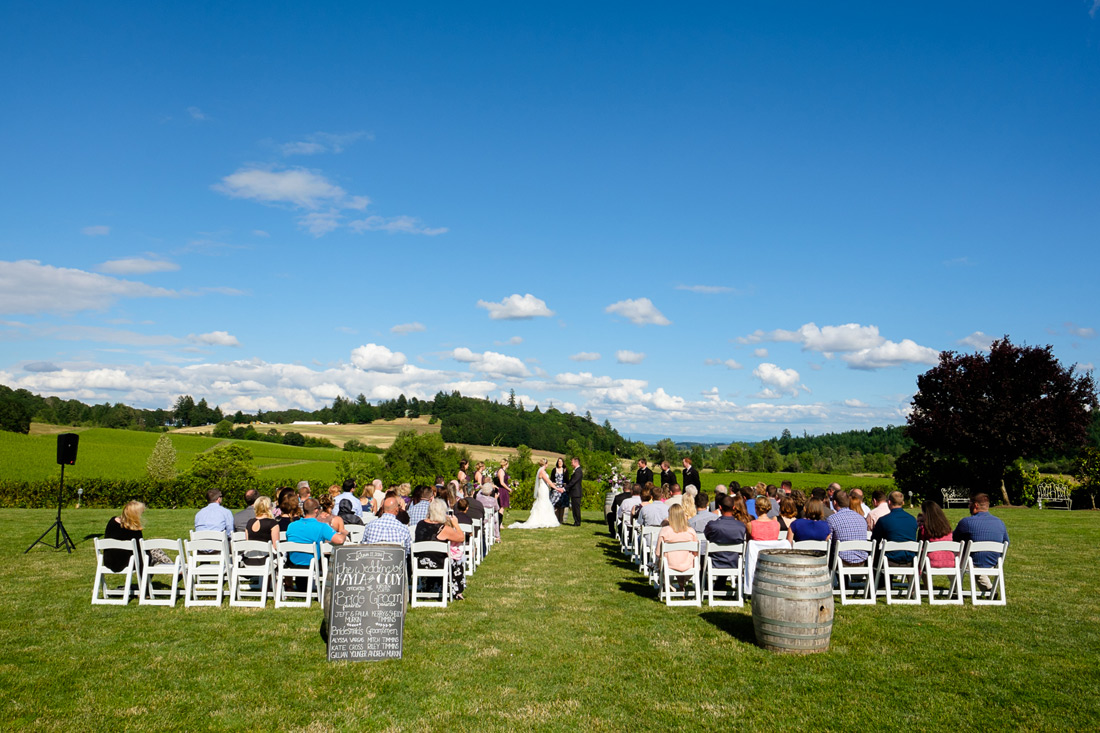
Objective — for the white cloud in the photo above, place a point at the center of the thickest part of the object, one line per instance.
(137, 266)
(855, 403)
(196, 114)
(513, 341)
(727, 363)
(783, 380)
(491, 363)
(978, 341)
(705, 289)
(28, 286)
(414, 327)
(377, 358)
(585, 356)
(295, 186)
(760, 353)
(890, 354)
(517, 307)
(321, 142)
(215, 338)
(1080, 331)
(640, 312)
(319, 223)
(624, 356)
(41, 366)
(862, 347)
(394, 225)
(97, 230)
(1087, 366)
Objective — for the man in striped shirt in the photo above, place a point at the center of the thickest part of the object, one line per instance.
(846, 525)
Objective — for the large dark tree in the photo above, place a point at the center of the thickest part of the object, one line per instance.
(981, 412)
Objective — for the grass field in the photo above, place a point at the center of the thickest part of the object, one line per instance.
(558, 633)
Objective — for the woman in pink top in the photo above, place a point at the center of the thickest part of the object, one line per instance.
(933, 526)
(677, 530)
(763, 529)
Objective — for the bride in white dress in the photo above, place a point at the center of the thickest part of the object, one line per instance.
(542, 512)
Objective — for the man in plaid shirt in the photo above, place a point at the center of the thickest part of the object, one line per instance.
(386, 529)
(847, 525)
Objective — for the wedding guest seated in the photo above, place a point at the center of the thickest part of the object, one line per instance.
(729, 528)
(770, 491)
(855, 497)
(127, 526)
(626, 509)
(405, 492)
(280, 500)
(366, 500)
(654, 513)
(689, 510)
(981, 526)
(214, 516)
(933, 526)
(326, 516)
(763, 528)
(823, 496)
(677, 530)
(812, 525)
(308, 530)
(289, 511)
(749, 495)
(703, 515)
(616, 507)
(347, 491)
(896, 526)
(675, 495)
(879, 507)
(263, 527)
(788, 512)
(437, 526)
(719, 491)
(303, 492)
(421, 497)
(799, 500)
(785, 488)
(462, 513)
(846, 525)
(246, 515)
(387, 529)
(474, 509)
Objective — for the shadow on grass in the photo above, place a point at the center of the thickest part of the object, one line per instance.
(638, 587)
(615, 556)
(734, 622)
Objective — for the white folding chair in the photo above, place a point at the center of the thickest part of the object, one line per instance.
(996, 595)
(252, 561)
(101, 594)
(814, 545)
(237, 536)
(355, 533)
(478, 540)
(647, 539)
(492, 529)
(908, 574)
(418, 597)
(468, 552)
(670, 595)
(734, 597)
(207, 566)
(326, 556)
(213, 534)
(845, 573)
(753, 548)
(147, 595)
(954, 572)
(286, 574)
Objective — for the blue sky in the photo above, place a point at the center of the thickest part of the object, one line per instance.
(715, 220)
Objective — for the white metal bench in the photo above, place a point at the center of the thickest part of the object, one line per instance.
(953, 494)
(1048, 491)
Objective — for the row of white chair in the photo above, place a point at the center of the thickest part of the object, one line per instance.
(854, 584)
(208, 565)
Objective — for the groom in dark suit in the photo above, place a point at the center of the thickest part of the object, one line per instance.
(575, 489)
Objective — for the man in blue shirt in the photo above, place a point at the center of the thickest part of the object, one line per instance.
(214, 516)
(846, 526)
(981, 526)
(308, 530)
(725, 530)
(897, 526)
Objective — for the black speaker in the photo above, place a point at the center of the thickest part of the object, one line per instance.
(66, 448)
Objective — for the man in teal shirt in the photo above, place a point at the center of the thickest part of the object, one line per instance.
(309, 530)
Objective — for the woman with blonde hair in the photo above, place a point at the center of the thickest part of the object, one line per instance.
(677, 530)
(264, 528)
(479, 474)
(763, 528)
(127, 526)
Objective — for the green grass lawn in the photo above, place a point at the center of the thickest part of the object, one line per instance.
(558, 633)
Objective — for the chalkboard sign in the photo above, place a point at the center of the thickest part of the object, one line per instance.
(365, 602)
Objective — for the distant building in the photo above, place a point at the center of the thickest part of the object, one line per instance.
(307, 422)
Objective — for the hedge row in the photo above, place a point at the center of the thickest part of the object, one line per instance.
(114, 493)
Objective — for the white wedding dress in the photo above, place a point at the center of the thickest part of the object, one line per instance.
(542, 513)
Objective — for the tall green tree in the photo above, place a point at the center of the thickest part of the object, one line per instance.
(161, 465)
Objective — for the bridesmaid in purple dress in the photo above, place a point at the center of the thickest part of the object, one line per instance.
(502, 481)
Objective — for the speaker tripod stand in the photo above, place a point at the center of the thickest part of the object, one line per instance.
(61, 538)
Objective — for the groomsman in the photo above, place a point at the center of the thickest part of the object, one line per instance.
(668, 476)
(645, 473)
(691, 475)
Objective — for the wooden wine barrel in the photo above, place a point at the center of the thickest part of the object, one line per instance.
(792, 601)
(608, 501)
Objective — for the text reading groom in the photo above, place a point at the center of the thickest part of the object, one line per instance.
(575, 489)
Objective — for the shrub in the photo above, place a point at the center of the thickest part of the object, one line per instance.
(161, 465)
